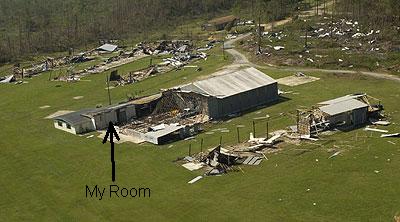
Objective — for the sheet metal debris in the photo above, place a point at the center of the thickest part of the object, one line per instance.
(391, 135)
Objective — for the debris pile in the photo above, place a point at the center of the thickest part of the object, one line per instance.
(168, 117)
(221, 160)
(165, 47)
(182, 54)
(344, 113)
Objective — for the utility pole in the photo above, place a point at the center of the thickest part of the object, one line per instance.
(306, 37)
(108, 89)
(223, 48)
(238, 135)
(151, 60)
(259, 32)
(298, 120)
(254, 129)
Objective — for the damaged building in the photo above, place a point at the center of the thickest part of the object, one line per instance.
(219, 24)
(233, 92)
(350, 111)
(89, 120)
(179, 112)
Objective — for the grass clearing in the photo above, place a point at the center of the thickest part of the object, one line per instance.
(45, 170)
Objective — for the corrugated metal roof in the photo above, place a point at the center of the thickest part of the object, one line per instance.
(146, 99)
(231, 84)
(342, 107)
(75, 118)
(222, 20)
(341, 99)
(108, 47)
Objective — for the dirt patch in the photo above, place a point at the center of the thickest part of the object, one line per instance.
(58, 113)
(296, 80)
(353, 76)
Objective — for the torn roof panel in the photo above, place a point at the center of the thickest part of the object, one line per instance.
(108, 47)
(146, 99)
(8, 79)
(342, 107)
(232, 83)
(163, 132)
(341, 99)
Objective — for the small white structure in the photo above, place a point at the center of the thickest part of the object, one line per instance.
(89, 120)
(107, 48)
(75, 122)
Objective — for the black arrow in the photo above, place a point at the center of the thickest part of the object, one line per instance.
(111, 132)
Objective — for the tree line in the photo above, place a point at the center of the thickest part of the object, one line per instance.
(29, 27)
(43, 26)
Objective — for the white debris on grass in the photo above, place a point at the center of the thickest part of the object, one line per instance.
(335, 154)
(277, 48)
(195, 179)
(375, 130)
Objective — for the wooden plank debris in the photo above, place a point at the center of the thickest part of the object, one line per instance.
(375, 130)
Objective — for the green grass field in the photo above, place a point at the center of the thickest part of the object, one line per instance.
(44, 171)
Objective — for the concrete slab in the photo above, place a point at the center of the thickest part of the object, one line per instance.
(296, 80)
(123, 138)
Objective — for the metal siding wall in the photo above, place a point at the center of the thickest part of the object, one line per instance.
(339, 118)
(219, 108)
(105, 119)
(130, 112)
(272, 92)
(212, 108)
(84, 128)
(360, 116)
